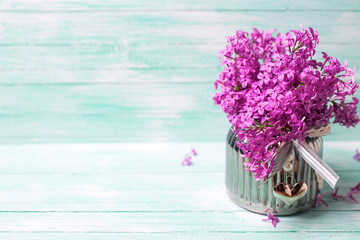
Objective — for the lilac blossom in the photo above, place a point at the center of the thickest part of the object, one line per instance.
(186, 161)
(351, 195)
(335, 195)
(319, 200)
(357, 155)
(354, 190)
(273, 90)
(274, 220)
(193, 151)
(187, 158)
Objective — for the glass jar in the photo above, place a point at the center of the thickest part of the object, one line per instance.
(244, 191)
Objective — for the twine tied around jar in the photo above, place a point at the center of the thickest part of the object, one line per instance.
(308, 154)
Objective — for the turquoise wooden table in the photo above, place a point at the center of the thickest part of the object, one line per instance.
(101, 100)
(141, 191)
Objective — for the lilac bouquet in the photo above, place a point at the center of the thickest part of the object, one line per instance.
(273, 91)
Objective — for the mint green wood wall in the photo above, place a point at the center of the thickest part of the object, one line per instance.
(104, 71)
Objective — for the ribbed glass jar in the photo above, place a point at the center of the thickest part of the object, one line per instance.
(244, 191)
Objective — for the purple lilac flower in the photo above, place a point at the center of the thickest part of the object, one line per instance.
(335, 195)
(193, 151)
(319, 200)
(350, 195)
(186, 161)
(357, 155)
(354, 190)
(275, 220)
(267, 77)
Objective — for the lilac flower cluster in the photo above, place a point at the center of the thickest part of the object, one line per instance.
(271, 217)
(273, 91)
(187, 158)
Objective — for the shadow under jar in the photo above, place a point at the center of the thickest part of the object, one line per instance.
(244, 191)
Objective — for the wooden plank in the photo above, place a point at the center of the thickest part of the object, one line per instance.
(107, 57)
(111, 63)
(183, 235)
(113, 5)
(125, 76)
(220, 204)
(176, 26)
(95, 198)
(134, 183)
(18, 130)
(128, 158)
(134, 188)
(176, 222)
(115, 99)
